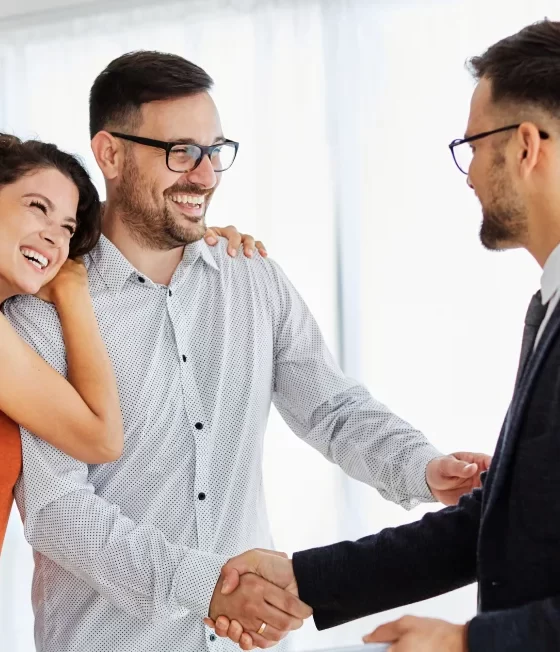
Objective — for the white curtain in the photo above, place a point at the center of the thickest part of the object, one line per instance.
(344, 110)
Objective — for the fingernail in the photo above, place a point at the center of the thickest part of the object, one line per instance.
(249, 253)
(232, 252)
(225, 587)
(211, 240)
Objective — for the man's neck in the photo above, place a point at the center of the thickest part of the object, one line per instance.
(157, 265)
(544, 236)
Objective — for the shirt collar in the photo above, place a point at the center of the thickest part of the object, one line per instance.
(197, 250)
(115, 269)
(550, 279)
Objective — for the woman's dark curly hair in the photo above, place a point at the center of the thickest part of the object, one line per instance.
(18, 158)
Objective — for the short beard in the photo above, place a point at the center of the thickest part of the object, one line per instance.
(504, 222)
(150, 227)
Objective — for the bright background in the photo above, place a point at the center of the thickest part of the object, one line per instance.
(344, 110)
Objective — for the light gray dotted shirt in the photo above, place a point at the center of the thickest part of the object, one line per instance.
(127, 554)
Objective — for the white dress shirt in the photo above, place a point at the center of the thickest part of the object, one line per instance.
(550, 288)
(127, 554)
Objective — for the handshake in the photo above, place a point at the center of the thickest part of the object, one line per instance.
(255, 602)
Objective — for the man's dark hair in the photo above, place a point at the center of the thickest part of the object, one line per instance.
(18, 158)
(137, 78)
(524, 68)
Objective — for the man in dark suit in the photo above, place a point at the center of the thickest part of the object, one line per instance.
(506, 535)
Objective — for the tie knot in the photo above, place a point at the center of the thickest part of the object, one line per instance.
(536, 311)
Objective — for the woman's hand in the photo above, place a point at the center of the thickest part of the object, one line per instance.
(235, 240)
(71, 278)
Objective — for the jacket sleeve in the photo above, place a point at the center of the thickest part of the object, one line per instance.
(398, 566)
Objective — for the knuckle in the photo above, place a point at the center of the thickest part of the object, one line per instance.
(285, 623)
(293, 605)
(251, 609)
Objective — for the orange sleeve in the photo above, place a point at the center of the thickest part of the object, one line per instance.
(10, 468)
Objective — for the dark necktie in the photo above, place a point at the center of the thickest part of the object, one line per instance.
(533, 320)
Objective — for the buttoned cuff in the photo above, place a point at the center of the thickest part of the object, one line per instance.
(196, 579)
(418, 488)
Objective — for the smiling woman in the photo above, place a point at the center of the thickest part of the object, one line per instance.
(49, 215)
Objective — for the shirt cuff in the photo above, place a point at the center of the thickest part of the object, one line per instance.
(418, 488)
(197, 577)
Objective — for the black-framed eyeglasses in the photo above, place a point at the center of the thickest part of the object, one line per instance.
(185, 157)
(463, 155)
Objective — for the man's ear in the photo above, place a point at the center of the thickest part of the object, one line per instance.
(529, 142)
(108, 153)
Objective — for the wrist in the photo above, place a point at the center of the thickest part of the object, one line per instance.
(465, 637)
(68, 294)
(458, 639)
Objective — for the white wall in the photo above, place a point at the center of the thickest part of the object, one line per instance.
(12, 9)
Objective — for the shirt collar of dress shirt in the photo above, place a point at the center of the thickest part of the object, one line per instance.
(550, 279)
(115, 269)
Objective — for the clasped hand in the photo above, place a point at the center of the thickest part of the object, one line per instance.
(255, 588)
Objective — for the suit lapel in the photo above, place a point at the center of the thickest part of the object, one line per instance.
(510, 429)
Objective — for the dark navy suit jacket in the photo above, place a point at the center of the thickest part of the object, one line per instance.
(505, 536)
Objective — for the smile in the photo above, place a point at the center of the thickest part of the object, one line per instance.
(191, 200)
(35, 258)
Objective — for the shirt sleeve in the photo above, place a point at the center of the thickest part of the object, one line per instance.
(133, 566)
(337, 415)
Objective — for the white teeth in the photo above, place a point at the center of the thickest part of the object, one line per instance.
(188, 199)
(35, 257)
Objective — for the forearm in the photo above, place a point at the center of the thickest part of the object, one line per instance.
(84, 420)
(134, 567)
(534, 626)
(398, 566)
(335, 414)
(89, 368)
(365, 439)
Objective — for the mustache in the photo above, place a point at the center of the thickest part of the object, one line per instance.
(188, 189)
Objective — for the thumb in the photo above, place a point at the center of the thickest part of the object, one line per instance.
(230, 580)
(460, 469)
(387, 633)
(211, 235)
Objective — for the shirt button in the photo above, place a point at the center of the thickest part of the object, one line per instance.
(170, 293)
(184, 358)
(212, 637)
(142, 280)
(495, 584)
(201, 496)
(198, 426)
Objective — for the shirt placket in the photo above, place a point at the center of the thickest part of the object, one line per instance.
(198, 421)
